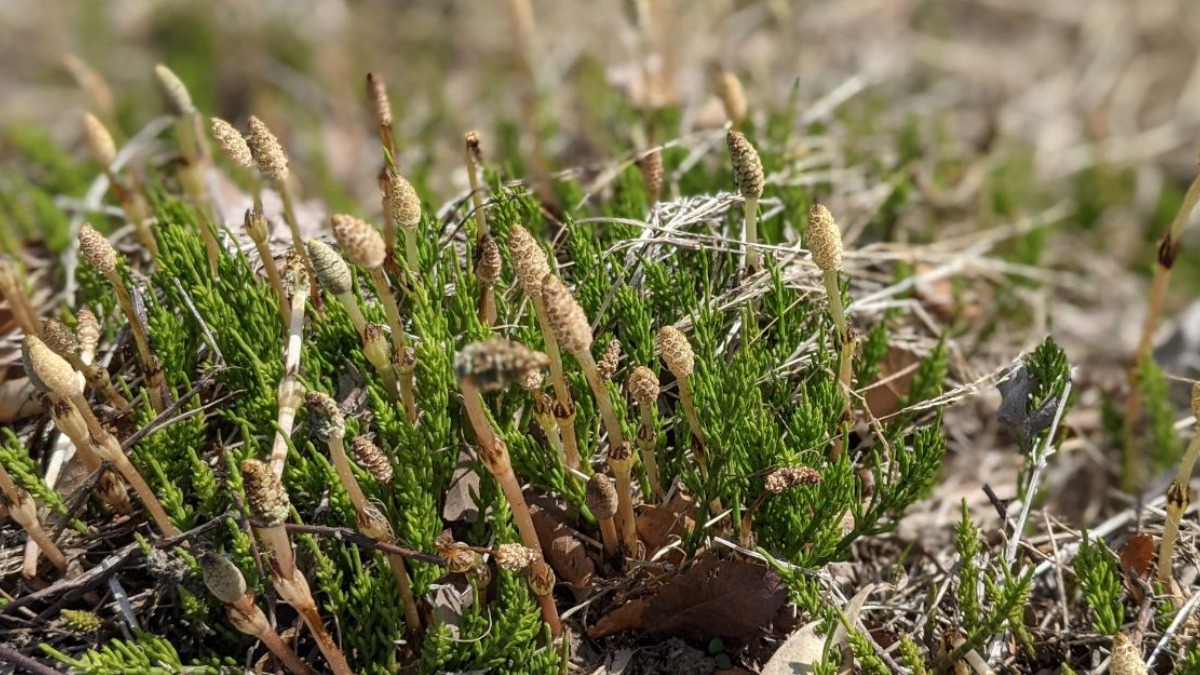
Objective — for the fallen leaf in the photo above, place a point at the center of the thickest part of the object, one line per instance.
(563, 551)
(1137, 558)
(896, 374)
(459, 504)
(715, 598)
(657, 524)
(627, 617)
(798, 653)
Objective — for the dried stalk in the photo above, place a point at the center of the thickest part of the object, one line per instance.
(291, 392)
(23, 510)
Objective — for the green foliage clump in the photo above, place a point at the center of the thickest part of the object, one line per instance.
(1100, 580)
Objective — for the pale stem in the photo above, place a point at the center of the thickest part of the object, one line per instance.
(562, 393)
(549, 425)
(17, 496)
(608, 534)
(400, 572)
(410, 250)
(150, 368)
(616, 437)
(834, 291)
(329, 649)
(341, 464)
(629, 538)
(383, 290)
(284, 653)
(272, 272)
(481, 226)
(753, 256)
(646, 442)
(497, 461)
(1154, 306)
(350, 304)
(290, 391)
(487, 304)
(1166, 547)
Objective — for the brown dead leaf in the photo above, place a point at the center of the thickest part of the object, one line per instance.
(563, 551)
(896, 372)
(1137, 559)
(715, 598)
(657, 524)
(627, 617)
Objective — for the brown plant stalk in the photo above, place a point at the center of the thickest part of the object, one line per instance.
(133, 202)
(490, 365)
(268, 503)
(12, 288)
(488, 273)
(1178, 498)
(226, 583)
(474, 161)
(66, 418)
(381, 107)
(23, 510)
(194, 157)
(256, 226)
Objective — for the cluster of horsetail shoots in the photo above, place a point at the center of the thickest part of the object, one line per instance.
(364, 247)
(531, 267)
(269, 507)
(100, 254)
(226, 583)
(329, 426)
(127, 193)
(748, 177)
(53, 376)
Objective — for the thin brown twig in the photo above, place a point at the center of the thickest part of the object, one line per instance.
(359, 539)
